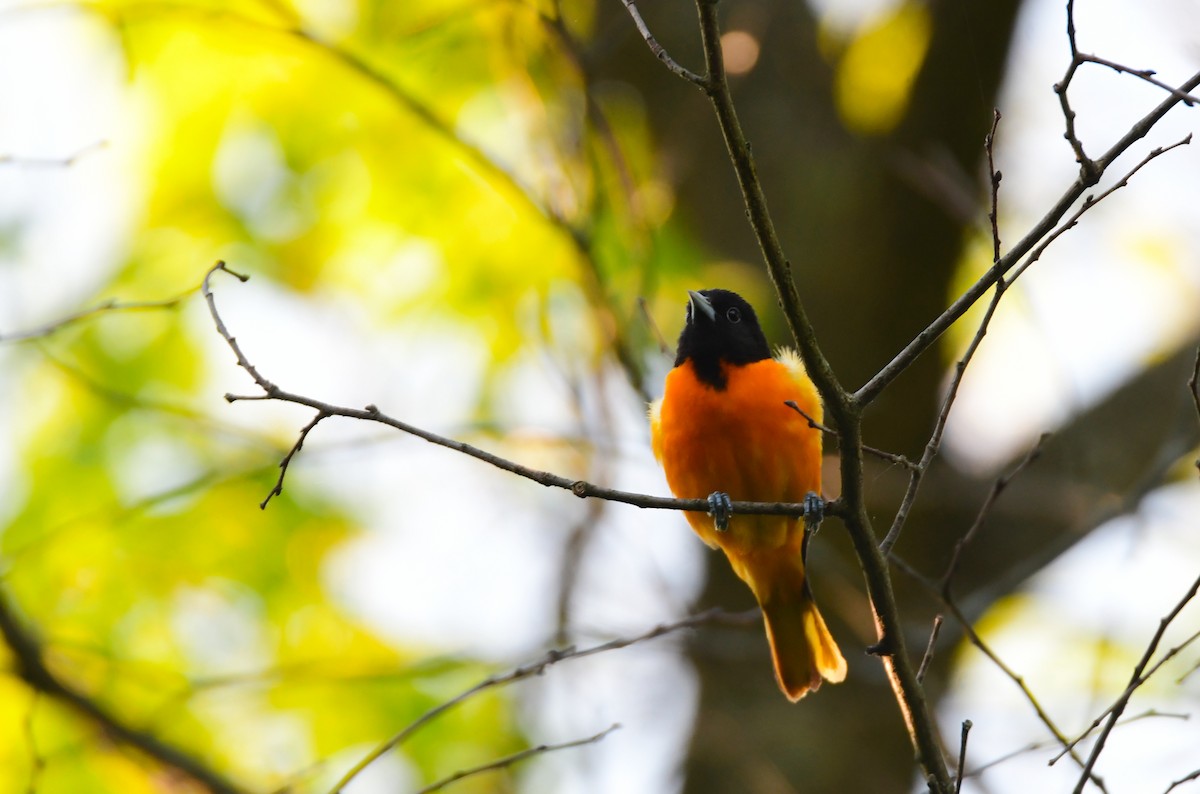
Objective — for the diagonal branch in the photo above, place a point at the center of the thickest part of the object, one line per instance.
(1048, 224)
(1194, 387)
(1142, 74)
(1139, 676)
(104, 307)
(660, 53)
(890, 457)
(975, 639)
(32, 669)
(933, 446)
(371, 413)
(998, 487)
(287, 459)
(52, 162)
(538, 667)
(1185, 779)
(515, 758)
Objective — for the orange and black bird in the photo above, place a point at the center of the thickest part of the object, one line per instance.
(722, 431)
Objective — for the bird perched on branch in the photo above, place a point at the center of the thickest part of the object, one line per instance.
(723, 430)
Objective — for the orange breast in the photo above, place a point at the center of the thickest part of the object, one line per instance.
(742, 440)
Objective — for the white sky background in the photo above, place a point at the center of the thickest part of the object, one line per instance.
(1105, 297)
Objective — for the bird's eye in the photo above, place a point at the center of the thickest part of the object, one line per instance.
(733, 315)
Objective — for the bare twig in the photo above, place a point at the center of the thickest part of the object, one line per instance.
(962, 755)
(553, 657)
(985, 509)
(659, 52)
(1142, 74)
(930, 647)
(935, 439)
(1049, 222)
(994, 177)
(1043, 745)
(371, 413)
(515, 758)
(933, 446)
(287, 459)
(31, 667)
(976, 640)
(1138, 677)
(1185, 779)
(1091, 201)
(890, 457)
(51, 162)
(1089, 169)
(103, 307)
(1194, 387)
(1089, 173)
(1194, 383)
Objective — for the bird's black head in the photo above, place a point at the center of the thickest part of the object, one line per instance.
(721, 327)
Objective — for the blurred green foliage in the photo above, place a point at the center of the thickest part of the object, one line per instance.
(436, 159)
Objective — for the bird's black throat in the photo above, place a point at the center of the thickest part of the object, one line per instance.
(721, 328)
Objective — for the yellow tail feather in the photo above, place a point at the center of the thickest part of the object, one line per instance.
(802, 647)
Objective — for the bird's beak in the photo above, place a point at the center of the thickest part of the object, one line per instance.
(701, 304)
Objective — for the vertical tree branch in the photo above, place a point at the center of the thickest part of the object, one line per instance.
(840, 404)
(1194, 387)
(962, 755)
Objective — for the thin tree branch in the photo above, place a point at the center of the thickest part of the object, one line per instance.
(935, 439)
(931, 646)
(1194, 387)
(890, 457)
(845, 410)
(1091, 201)
(976, 640)
(287, 459)
(713, 616)
(962, 755)
(1194, 383)
(926, 338)
(371, 413)
(515, 758)
(660, 53)
(1088, 170)
(1142, 74)
(1139, 676)
(104, 307)
(1078, 59)
(994, 177)
(1185, 779)
(32, 669)
(985, 509)
(933, 446)
(1042, 745)
(52, 162)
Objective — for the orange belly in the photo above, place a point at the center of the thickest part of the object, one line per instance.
(745, 441)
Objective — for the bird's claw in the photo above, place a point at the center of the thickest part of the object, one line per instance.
(720, 508)
(814, 510)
